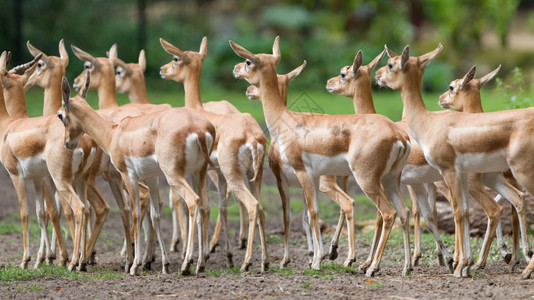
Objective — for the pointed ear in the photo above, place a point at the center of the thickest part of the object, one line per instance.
(390, 52)
(65, 93)
(142, 60)
(34, 52)
(85, 89)
(358, 61)
(112, 54)
(84, 56)
(276, 48)
(173, 50)
(296, 72)
(3, 58)
(244, 53)
(489, 76)
(203, 47)
(372, 65)
(405, 56)
(470, 75)
(427, 58)
(63, 52)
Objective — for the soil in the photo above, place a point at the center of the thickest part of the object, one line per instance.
(428, 281)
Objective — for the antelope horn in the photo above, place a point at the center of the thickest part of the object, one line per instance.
(26, 66)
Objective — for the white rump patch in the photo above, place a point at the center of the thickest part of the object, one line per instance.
(32, 167)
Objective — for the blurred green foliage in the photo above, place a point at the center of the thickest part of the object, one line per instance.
(325, 33)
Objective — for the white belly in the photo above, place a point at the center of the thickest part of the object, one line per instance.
(327, 165)
(482, 162)
(143, 167)
(420, 174)
(32, 167)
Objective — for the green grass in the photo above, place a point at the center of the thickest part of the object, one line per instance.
(9, 272)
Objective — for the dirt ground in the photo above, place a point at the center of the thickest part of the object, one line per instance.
(428, 281)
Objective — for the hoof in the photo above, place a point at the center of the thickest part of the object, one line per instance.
(415, 260)
(407, 271)
(450, 265)
(348, 263)
(165, 269)
(134, 270)
(174, 246)
(511, 266)
(24, 263)
(455, 264)
(92, 258)
(285, 261)
(242, 244)
(62, 262)
(245, 267)
(465, 272)
(229, 260)
(72, 267)
(147, 265)
(371, 272)
(363, 267)
(478, 266)
(200, 269)
(333, 252)
(529, 253)
(316, 265)
(508, 258)
(214, 248)
(264, 266)
(127, 267)
(185, 272)
(82, 267)
(50, 259)
(526, 274)
(310, 253)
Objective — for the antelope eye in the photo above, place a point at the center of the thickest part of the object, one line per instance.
(248, 62)
(39, 65)
(390, 66)
(451, 88)
(119, 73)
(87, 67)
(60, 116)
(175, 59)
(343, 75)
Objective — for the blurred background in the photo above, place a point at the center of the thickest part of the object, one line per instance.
(325, 33)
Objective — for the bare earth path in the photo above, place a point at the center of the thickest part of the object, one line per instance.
(428, 281)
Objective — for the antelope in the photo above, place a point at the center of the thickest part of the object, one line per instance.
(461, 143)
(33, 150)
(239, 150)
(354, 81)
(102, 71)
(48, 74)
(463, 95)
(173, 143)
(285, 176)
(316, 144)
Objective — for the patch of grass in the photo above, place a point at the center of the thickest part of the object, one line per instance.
(30, 288)
(305, 285)
(109, 243)
(234, 272)
(9, 272)
(328, 270)
(284, 271)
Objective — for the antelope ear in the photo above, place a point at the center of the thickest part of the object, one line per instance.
(112, 53)
(244, 53)
(276, 48)
(63, 52)
(34, 52)
(173, 50)
(427, 58)
(390, 52)
(65, 93)
(405, 56)
(372, 65)
(203, 47)
(489, 76)
(84, 56)
(3, 58)
(85, 89)
(142, 60)
(470, 75)
(296, 72)
(358, 61)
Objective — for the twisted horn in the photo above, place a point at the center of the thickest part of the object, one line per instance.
(26, 66)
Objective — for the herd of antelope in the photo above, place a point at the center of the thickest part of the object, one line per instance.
(458, 152)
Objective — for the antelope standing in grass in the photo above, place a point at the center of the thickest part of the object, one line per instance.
(461, 143)
(369, 147)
